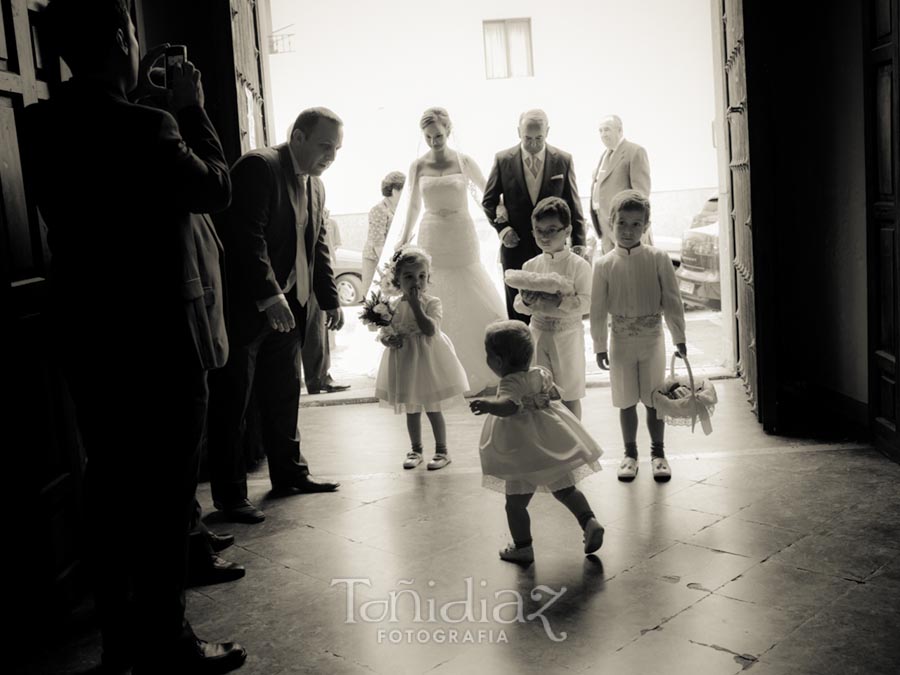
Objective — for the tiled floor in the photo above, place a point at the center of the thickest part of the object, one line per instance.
(764, 555)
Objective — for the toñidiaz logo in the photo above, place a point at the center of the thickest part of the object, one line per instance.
(503, 607)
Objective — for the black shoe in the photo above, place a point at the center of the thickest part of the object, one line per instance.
(219, 542)
(331, 387)
(218, 571)
(198, 658)
(243, 511)
(304, 485)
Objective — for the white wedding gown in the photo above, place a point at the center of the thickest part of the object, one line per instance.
(470, 299)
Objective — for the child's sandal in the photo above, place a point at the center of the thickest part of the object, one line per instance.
(413, 459)
(661, 470)
(593, 536)
(523, 556)
(439, 461)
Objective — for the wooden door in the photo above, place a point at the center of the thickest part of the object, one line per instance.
(41, 449)
(738, 207)
(250, 52)
(881, 104)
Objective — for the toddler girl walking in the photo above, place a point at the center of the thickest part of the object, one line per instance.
(531, 442)
(419, 370)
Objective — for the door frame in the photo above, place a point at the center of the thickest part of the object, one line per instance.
(882, 215)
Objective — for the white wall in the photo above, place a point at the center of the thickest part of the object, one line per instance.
(379, 65)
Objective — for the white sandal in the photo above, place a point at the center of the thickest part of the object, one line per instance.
(661, 469)
(439, 461)
(627, 469)
(413, 459)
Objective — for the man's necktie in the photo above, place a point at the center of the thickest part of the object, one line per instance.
(604, 163)
(301, 265)
(534, 164)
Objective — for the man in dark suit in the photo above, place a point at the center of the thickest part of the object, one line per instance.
(318, 340)
(275, 236)
(521, 177)
(137, 319)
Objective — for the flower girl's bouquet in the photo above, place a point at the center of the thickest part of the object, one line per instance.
(376, 312)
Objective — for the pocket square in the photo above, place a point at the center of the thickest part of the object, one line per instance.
(558, 176)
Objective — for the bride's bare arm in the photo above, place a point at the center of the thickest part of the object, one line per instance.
(415, 205)
(473, 172)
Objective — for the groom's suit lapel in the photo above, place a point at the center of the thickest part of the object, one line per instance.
(551, 168)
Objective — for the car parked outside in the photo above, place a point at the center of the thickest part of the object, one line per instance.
(698, 276)
(348, 276)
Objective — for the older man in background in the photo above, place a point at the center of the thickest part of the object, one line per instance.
(623, 166)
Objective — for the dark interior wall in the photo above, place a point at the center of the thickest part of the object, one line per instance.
(204, 26)
(840, 205)
(807, 161)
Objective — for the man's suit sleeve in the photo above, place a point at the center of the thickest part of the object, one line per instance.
(192, 163)
(640, 171)
(570, 194)
(323, 274)
(595, 217)
(246, 221)
(493, 189)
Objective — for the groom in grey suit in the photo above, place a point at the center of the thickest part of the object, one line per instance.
(623, 166)
(522, 176)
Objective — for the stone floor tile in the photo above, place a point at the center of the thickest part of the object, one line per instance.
(663, 652)
(741, 537)
(846, 557)
(720, 501)
(740, 627)
(843, 640)
(772, 584)
(696, 567)
(671, 521)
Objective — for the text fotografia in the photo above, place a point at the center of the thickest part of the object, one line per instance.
(504, 607)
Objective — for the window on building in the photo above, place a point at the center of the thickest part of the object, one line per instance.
(280, 42)
(507, 48)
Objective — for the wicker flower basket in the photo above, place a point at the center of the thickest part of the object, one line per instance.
(681, 401)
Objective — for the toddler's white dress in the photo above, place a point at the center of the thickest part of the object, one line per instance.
(424, 374)
(542, 447)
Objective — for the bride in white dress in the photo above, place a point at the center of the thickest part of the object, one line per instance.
(441, 178)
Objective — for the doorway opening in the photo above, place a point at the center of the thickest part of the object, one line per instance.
(379, 67)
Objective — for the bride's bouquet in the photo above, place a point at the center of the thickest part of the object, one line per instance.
(546, 283)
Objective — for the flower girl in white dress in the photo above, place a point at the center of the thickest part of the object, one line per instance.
(531, 442)
(419, 370)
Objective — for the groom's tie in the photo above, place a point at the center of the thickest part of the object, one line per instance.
(301, 265)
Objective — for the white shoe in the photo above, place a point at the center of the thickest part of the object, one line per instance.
(593, 536)
(439, 461)
(512, 554)
(627, 469)
(661, 470)
(413, 459)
